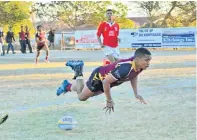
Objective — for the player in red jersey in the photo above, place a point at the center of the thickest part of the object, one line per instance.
(110, 32)
(104, 77)
(41, 43)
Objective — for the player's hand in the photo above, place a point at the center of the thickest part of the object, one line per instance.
(109, 106)
(140, 99)
(119, 40)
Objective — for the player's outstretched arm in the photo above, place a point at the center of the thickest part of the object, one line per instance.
(134, 86)
(106, 86)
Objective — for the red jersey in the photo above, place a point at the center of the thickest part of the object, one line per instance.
(22, 35)
(110, 33)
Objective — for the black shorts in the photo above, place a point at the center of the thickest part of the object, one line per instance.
(40, 47)
(94, 83)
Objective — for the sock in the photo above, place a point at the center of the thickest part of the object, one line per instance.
(36, 60)
(47, 58)
(79, 77)
(68, 88)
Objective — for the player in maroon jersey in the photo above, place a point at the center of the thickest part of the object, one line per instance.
(105, 77)
(110, 32)
(41, 43)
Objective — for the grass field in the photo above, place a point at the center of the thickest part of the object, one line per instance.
(28, 94)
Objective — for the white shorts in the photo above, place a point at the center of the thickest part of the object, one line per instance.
(115, 52)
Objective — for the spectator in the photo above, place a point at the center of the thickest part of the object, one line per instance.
(51, 38)
(27, 37)
(10, 39)
(22, 40)
(2, 52)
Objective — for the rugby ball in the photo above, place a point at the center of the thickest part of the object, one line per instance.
(67, 123)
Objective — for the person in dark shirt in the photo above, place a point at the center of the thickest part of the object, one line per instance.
(105, 77)
(51, 38)
(9, 39)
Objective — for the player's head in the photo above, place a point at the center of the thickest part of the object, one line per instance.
(21, 27)
(26, 28)
(109, 14)
(10, 28)
(142, 58)
(39, 27)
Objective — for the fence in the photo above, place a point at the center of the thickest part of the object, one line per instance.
(130, 38)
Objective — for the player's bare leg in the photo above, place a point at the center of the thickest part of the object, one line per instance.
(79, 86)
(46, 48)
(37, 56)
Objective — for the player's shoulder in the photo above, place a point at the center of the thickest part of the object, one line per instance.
(124, 65)
(103, 23)
(116, 24)
(122, 69)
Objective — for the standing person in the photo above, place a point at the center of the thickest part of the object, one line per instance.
(22, 40)
(2, 51)
(110, 32)
(103, 78)
(9, 39)
(41, 43)
(27, 39)
(51, 38)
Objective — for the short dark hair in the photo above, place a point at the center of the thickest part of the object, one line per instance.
(109, 10)
(39, 26)
(140, 52)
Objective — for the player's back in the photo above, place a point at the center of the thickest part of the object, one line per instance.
(104, 70)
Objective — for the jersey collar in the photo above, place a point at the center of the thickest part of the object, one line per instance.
(110, 23)
(133, 65)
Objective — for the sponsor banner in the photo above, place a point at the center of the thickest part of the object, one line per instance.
(146, 37)
(178, 37)
(86, 39)
(143, 37)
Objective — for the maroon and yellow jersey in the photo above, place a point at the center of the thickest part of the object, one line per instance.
(123, 70)
(41, 37)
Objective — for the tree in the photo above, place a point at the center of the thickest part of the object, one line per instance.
(151, 8)
(76, 13)
(15, 14)
(170, 14)
(125, 23)
(184, 15)
(12, 12)
(187, 13)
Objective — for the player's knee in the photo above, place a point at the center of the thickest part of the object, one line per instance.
(82, 98)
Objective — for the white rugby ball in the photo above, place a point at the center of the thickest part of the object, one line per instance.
(67, 123)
